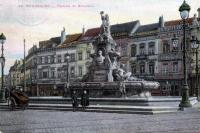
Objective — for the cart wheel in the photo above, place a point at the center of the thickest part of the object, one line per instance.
(24, 107)
(11, 103)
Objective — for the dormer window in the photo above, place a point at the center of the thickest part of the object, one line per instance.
(53, 45)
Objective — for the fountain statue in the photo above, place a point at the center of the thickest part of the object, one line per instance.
(106, 72)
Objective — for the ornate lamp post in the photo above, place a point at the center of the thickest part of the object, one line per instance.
(195, 47)
(184, 13)
(67, 56)
(2, 61)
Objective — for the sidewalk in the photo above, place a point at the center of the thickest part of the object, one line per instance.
(102, 108)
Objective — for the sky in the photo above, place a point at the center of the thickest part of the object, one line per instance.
(37, 20)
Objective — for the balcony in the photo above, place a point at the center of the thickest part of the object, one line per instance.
(142, 57)
(170, 56)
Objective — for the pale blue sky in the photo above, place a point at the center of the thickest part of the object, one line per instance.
(41, 23)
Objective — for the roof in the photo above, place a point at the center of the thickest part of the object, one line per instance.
(125, 28)
(90, 34)
(56, 40)
(70, 39)
(12, 68)
(117, 28)
(179, 22)
(145, 30)
(148, 27)
(49, 43)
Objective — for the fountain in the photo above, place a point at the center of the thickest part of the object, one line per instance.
(110, 87)
(106, 73)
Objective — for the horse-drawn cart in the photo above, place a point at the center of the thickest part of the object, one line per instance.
(17, 99)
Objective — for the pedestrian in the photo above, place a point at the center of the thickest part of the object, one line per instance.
(74, 100)
(7, 93)
(85, 99)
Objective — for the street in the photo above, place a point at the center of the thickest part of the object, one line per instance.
(35, 121)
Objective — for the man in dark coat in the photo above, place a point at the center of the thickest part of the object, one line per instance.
(74, 100)
(7, 93)
(85, 99)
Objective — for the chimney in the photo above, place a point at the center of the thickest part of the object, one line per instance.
(83, 30)
(161, 22)
(62, 38)
(198, 10)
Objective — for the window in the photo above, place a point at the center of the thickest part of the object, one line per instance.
(142, 68)
(72, 72)
(65, 71)
(54, 45)
(87, 68)
(133, 68)
(124, 50)
(80, 70)
(165, 68)
(151, 68)
(40, 74)
(133, 50)
(49, 59)
(52, 59)
(34, 61)
(46, 59)
(72, 57)
(80, 56)
(175, 67)
(151, 48)
(59, 72)
(65, 59)
(88, 54)
(142, 49)
(45, 74)
(59, 59)
(166, 46)
(42, 60)
(52, 74)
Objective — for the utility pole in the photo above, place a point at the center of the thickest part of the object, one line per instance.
(24, 65)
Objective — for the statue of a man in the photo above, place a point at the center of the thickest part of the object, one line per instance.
(195, 21)
(100, 58)
(105, 25)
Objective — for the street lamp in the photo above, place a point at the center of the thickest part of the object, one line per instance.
(195, 47)
(2, 61)
(67, 57)
(184, 13)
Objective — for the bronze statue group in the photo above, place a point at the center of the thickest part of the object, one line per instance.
(84, 99)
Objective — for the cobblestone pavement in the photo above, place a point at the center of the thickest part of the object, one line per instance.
(38, 121)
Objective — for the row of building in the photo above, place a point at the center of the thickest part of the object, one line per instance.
(146, 51)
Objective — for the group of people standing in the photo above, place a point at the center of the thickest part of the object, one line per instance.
(84, 99)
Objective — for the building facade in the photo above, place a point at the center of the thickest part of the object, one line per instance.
(146, 51)
(170, 72)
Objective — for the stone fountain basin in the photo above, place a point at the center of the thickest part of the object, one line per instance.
(141, 85)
